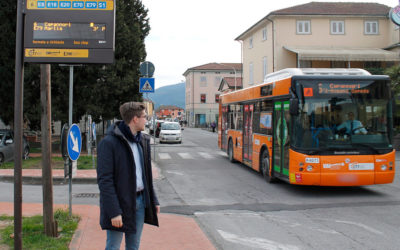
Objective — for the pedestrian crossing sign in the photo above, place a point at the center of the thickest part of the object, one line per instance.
(146, 85)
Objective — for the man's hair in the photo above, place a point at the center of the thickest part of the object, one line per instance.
(129, 110)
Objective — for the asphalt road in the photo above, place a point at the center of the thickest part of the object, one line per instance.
(237, 209)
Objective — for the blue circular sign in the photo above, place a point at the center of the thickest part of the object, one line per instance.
(74, 142)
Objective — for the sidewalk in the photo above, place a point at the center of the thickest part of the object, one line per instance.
(175, 232)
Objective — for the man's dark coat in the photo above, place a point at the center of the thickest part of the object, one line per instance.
(116, 177)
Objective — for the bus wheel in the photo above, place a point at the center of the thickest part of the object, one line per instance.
(265, 164)
(230, 151)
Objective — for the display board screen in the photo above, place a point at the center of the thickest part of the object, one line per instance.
(68, 30)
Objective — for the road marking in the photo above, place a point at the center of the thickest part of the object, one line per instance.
(360, 225)
(164, 156)
(222, 153)
(206, 155)
(185, 155)
(255, 242)
(175, 172)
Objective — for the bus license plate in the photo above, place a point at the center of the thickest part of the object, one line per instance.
(361, 166)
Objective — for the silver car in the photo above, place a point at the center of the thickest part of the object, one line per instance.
(170, 132)
(7, 146)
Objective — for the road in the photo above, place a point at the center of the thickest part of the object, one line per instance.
(237, 209)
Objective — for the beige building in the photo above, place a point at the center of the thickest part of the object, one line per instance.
(320, 35)
(202, 95)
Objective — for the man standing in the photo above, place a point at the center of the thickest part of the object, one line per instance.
(127, 197)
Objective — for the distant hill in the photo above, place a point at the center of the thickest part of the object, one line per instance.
(169, 95)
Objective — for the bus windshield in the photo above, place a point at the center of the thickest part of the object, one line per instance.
(343, 117)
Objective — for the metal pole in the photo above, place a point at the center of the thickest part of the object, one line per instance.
(18, 119)
(71, 94)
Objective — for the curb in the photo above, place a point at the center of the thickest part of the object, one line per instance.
(37, 180)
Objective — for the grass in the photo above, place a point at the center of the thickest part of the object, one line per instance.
(84, 162)
(33, 236)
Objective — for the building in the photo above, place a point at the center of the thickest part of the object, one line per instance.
(149, 106)
(320, 35)
(202, 95)
(170, 111)
(229, 84)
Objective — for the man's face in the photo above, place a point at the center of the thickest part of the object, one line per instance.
(351, 116)
(140, 121)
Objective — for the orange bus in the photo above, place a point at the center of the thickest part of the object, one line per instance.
(328, 127)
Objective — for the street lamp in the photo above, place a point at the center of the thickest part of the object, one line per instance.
(233, 70)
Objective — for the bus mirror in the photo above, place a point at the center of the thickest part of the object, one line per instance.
(294, 106)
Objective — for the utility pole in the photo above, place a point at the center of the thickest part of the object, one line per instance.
(18, 114)
(50, 227)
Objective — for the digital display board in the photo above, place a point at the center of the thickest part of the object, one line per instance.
(59, 31)
(62, 31)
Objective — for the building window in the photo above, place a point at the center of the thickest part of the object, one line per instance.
(372, 65)
(217, 81)
(305, 64)
(202, 98)
(303, 27)
(337, 27)
(264, 33)
(251, 77)
(251, 42)
(371, 28)
(203, 81)
(216, 98)
(338, 64)
(265, 69)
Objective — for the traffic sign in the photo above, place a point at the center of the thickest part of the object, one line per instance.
(147, 69)
(74, 142)
(146, 85)
(94, 130)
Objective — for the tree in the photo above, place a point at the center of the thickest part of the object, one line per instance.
(394, 74)
(98, 89)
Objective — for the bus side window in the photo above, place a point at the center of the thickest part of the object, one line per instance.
(263, 118)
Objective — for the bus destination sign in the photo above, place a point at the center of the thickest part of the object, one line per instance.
(341, 88)
(70, 5)
(59, 31)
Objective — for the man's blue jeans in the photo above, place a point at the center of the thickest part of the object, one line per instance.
(132, 240)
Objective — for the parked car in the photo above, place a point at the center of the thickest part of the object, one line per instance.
(170, 132)
(157, 127)
(7, 146)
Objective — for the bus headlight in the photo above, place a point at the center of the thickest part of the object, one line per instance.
(383, 167)
(309, 168)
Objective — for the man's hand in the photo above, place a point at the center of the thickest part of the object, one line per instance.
(158, 208)
(117, 221)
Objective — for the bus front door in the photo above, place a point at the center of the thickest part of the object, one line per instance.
(281, 139)
(248, 134)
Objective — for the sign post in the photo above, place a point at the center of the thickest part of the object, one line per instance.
(74, 147)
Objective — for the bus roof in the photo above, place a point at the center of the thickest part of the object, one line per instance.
(286, 73)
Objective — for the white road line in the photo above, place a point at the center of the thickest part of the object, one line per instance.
(372, 230)
(255, 242)
(175, 172)
(164, 156)
(222, 153)
(206, 155)
(185, 155)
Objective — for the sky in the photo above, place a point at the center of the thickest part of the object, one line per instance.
(190, 33)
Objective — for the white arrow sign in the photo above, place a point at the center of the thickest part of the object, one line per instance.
(75, 143)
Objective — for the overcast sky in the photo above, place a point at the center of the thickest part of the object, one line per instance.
(189, 33)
